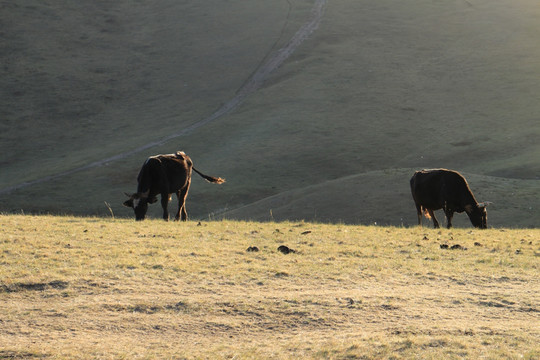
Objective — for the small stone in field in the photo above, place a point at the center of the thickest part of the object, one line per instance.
(285, 249)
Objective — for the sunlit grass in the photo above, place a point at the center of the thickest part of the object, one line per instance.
(91, 287)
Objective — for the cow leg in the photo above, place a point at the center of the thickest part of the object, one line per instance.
(182, 195)
(449, 216)
(165, 204)
(435, 222)
(419, 214)
(181, 214)
(180, 206)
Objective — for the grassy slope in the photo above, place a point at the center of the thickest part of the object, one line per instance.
(379, 88)
(102, 288)
(391, 204)
(85, 81)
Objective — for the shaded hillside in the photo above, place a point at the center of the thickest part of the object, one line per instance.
(384, 198)
(85, 81)
(379, 85)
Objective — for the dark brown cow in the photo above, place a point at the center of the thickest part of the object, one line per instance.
(164, 175)
(448, 190)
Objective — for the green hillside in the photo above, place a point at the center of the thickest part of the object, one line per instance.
(378, 90)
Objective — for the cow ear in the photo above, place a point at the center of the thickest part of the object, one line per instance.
(128, 203)
(484, 204)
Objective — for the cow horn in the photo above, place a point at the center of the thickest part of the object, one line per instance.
(133, 196)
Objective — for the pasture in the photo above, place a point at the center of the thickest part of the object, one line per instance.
(117, 289)
(380, 89)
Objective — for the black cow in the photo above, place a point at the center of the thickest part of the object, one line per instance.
(448, 190)
(164, 175)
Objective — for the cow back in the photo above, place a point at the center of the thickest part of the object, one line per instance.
(164, 174)
(177, 170)
(438, 188)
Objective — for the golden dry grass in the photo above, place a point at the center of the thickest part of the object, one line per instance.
(380, 89)
(117, 289)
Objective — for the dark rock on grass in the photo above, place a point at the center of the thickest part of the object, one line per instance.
(453, 247)
(285, 249)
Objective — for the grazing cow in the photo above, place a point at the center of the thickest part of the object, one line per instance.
(164, 175)
(448, 190)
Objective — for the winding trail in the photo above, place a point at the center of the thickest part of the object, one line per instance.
(249, 87)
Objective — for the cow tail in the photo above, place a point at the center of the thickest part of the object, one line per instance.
(215, 180)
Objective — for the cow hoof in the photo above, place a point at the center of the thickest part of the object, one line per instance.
(252, 249)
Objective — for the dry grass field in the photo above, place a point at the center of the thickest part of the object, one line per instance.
(118, 289)
(378, 90)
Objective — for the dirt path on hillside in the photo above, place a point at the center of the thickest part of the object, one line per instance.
(249, 87)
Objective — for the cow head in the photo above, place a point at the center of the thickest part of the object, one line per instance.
(139, 204)
(477, 214)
